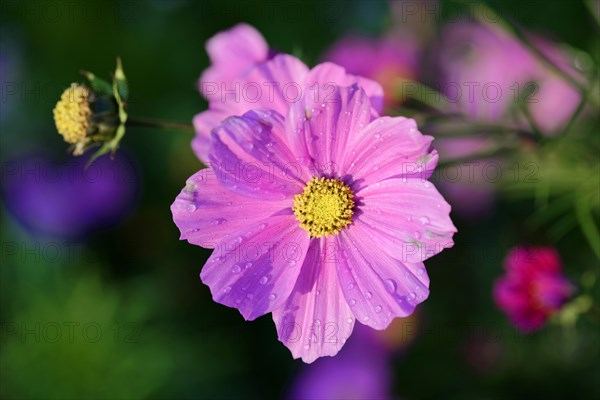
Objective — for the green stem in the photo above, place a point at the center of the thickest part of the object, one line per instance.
(578, 111)
(154, 123)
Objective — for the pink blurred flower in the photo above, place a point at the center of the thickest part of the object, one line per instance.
(486, 72)
(533, 287)
(243, 76)
(385, 60)
(368, 217)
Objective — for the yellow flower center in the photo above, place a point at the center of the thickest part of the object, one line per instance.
(325, 207)
(72, 113)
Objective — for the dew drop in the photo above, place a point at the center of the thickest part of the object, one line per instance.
(191, 207)
(412, 296)
(424, 220)
(378, 309)
(227, 289)
(236, 269)
(263, 280)
(272, 296)
(350, 320)
(248, 265)
(292, 262)
(390, 285)
(368, 295)
(366, 318)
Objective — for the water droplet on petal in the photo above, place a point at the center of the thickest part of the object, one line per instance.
(350, 320)
(378, 309)
(424, 220)
(236, 269)
(227, 289)
(368, 295)
(352, 302)
(412, 296)
(366, 318)
(272, 296)
(191, 207)
(390, 285)
(263, 280)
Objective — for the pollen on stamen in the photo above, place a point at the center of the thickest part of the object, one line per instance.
(325, 207)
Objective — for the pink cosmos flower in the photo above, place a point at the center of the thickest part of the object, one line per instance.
(533, 288)
(244, 76)
(323, 217)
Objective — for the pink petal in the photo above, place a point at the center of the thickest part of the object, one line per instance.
(204, 122)
(280, 81)
(233, 52)
(330, 73)
(408, 217)
(250, 158)
(377, 286)
(319, 127)
(205, 212)
(255, 269)
(270, 85)
(315, 321)
(390, 147)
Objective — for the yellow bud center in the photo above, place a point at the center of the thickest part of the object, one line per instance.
(325, 207)
(72, 113)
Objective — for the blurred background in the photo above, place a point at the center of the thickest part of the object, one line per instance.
(99, 298)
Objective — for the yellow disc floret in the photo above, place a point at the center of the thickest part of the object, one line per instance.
(72, 113)
(325, 207)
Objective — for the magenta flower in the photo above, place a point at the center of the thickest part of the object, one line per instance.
(243, 77)
(533, 288)
(322, 218)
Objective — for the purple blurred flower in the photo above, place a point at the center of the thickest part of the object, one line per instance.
(361, 370)
(67, 200)
(385, 60)
(245, 75)
(533, 287)
(323, 218)
(469, 186)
